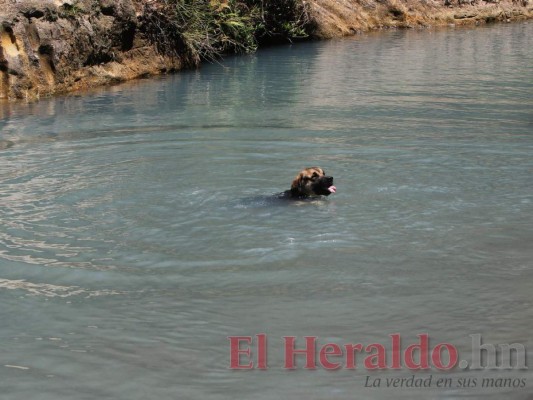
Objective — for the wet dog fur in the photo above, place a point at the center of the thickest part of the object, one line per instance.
(310, 182)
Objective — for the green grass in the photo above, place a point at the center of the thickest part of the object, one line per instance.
(208, 29)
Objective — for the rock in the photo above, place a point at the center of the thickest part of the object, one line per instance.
(49, 47)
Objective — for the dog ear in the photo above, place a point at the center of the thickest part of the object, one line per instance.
(296, 186)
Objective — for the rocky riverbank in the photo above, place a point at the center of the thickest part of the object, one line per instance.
(347, 17)
(55, 46)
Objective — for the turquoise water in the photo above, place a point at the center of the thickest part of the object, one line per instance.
(139, 228)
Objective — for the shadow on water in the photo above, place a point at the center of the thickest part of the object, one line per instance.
(277, 200)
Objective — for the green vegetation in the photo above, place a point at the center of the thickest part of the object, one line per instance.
(70, 10)
(207, 29)
(210, 29)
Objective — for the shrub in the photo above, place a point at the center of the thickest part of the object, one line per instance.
(207, 29)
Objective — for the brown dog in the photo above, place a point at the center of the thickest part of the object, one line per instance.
(311, 182)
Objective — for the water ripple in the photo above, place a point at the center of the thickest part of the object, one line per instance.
(48, 290)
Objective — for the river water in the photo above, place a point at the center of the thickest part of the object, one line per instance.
(139, 226)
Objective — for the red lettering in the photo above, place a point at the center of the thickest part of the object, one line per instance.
(324, 353)
(261, 351)
(423, 351)
(350, 354)
(436, 356)
(396, 351)
(236, 351)
(291, 353)
(378, 359)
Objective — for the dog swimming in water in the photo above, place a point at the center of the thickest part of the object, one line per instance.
(310, 182)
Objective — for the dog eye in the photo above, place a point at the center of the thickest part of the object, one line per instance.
(315, 175)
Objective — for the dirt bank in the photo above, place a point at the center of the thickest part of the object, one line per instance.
(53, 46)
(346, 17)
(56, 46)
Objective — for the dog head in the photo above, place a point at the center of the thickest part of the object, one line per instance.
(312, 182)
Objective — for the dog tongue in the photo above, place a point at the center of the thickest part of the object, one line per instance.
(332, 189)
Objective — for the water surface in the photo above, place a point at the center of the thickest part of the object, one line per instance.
(138, 228)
